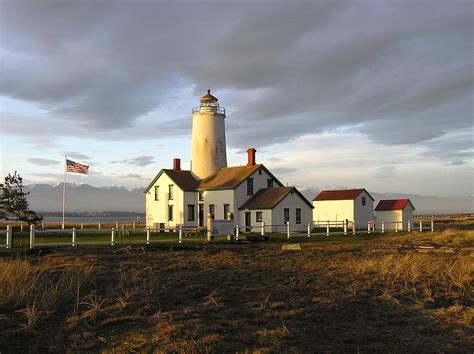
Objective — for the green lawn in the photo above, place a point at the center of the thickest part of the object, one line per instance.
(96, 238)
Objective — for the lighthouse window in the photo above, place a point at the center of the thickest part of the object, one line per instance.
(249, 186)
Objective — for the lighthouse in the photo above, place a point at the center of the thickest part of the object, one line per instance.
(208, 146)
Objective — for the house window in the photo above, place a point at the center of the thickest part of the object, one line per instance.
(226, 211)
(190, 212)
(286, 215)
(269, 183)
(259, 216)
(260, 171)
(212, 210)
(157, 189)
(170, 213)
(201, 196)
(249, 186)
(363, 200)
(298, 216)
(170, 192)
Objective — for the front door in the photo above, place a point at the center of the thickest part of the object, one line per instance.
(248, 222)
(201, 214)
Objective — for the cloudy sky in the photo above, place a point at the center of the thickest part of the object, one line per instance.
(357, 93)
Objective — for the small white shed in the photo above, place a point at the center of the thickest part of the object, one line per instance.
(344, 204)
(395, 213)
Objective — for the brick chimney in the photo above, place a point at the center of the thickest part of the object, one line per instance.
(176, 164)
(251, 157)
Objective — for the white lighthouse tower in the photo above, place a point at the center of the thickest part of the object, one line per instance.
(208, 151)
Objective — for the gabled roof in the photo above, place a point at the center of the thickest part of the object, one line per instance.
(393, 204)
(341, 194)
(268, 198)
(231, 177)
(183, 179)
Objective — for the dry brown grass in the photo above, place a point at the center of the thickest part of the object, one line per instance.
(237, 298)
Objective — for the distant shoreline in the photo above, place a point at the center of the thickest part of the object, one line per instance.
(93, 214)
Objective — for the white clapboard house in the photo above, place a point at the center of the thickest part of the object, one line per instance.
(248, 194)
(353, 205)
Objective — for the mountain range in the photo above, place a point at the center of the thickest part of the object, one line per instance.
(87, 198)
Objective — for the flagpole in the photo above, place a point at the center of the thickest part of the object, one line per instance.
(64, 189)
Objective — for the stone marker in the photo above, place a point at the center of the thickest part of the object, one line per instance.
(291, 247)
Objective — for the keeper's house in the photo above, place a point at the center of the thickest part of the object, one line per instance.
(395, 213)
(346, 204)
(248, 194)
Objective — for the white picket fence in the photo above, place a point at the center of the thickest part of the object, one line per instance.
(118, 235)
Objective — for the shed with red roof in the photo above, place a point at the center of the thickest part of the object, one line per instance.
(354, 205)
(395, 214)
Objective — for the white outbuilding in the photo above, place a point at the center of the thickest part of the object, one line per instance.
(395, 214)
(353, 205)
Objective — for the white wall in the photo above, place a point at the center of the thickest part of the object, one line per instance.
(292, 201)
(333, 210)
(218, 198)
(363, 213)
(156, 210)
(191, 198)
(400, 216)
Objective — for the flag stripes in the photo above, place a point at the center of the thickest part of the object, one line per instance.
(76, 167)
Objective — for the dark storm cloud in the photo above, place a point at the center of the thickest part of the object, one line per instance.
(137, 161)
(399, 72)
(42, 162)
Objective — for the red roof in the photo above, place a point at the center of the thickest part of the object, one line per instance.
(393, 204)
(341, 194)
(208, 97)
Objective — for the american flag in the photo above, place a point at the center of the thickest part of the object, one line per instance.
(76, 167)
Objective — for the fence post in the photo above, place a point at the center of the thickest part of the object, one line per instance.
(287, 229)
(116, 225)
(383, 226)
(82, 225)
(263, 229)
(432, 225)
(21, 225)
(9, 237)
(309, 230)
(237, 233)
(421, 226)
(345, 226)
(134, 224)
(353, 227)
(32, 236)
(368, 227)
(396, 226)
(42, 225)
(409, 226)
(180, 234)
(73, 237)
(123, 230)
(99, 225)
(327, 229)
(112, 237)
(147, 236)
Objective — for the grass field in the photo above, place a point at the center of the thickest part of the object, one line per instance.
(333, 295)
